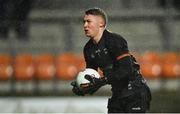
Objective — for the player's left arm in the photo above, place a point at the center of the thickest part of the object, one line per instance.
(122, 60)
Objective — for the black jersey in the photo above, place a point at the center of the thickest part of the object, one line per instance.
(112, 56)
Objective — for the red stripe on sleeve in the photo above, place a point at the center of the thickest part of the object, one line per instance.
(122, 56)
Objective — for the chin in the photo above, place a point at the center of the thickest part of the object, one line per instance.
(88, 35)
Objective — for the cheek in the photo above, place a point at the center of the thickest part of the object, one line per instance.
(93, 27)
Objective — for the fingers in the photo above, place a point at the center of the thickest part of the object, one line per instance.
(93, 91)
(77, 91)
(89, 77)
(73, 83)
(90, 90)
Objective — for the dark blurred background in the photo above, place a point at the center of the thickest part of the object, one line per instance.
(41, 44)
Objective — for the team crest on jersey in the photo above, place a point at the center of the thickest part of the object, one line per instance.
(105, 51)
(92, 56)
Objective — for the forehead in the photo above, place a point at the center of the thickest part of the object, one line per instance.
(91, 17)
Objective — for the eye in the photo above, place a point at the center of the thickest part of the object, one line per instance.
(88, 21)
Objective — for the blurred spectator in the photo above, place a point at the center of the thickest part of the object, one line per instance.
(3, 19)
(177, 4)
(14, 14)
(169, 4)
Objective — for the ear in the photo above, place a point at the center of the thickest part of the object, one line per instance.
(102, 24)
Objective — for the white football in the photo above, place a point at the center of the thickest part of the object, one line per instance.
(81, 80)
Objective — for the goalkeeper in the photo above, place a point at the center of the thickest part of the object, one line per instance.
(109, 52)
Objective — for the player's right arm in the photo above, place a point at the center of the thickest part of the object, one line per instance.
(89, 61)
(89, 64)
(95, 83)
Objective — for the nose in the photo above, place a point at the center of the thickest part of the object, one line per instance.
(85, 24)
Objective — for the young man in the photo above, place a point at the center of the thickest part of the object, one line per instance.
(109, 52)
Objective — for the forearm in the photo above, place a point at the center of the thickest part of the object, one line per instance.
(122, 69)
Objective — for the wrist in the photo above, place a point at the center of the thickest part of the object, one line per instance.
(104, 80)
(109, 79)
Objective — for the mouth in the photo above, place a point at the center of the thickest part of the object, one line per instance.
(86, 31)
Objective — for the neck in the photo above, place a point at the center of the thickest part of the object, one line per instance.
(97, 38)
